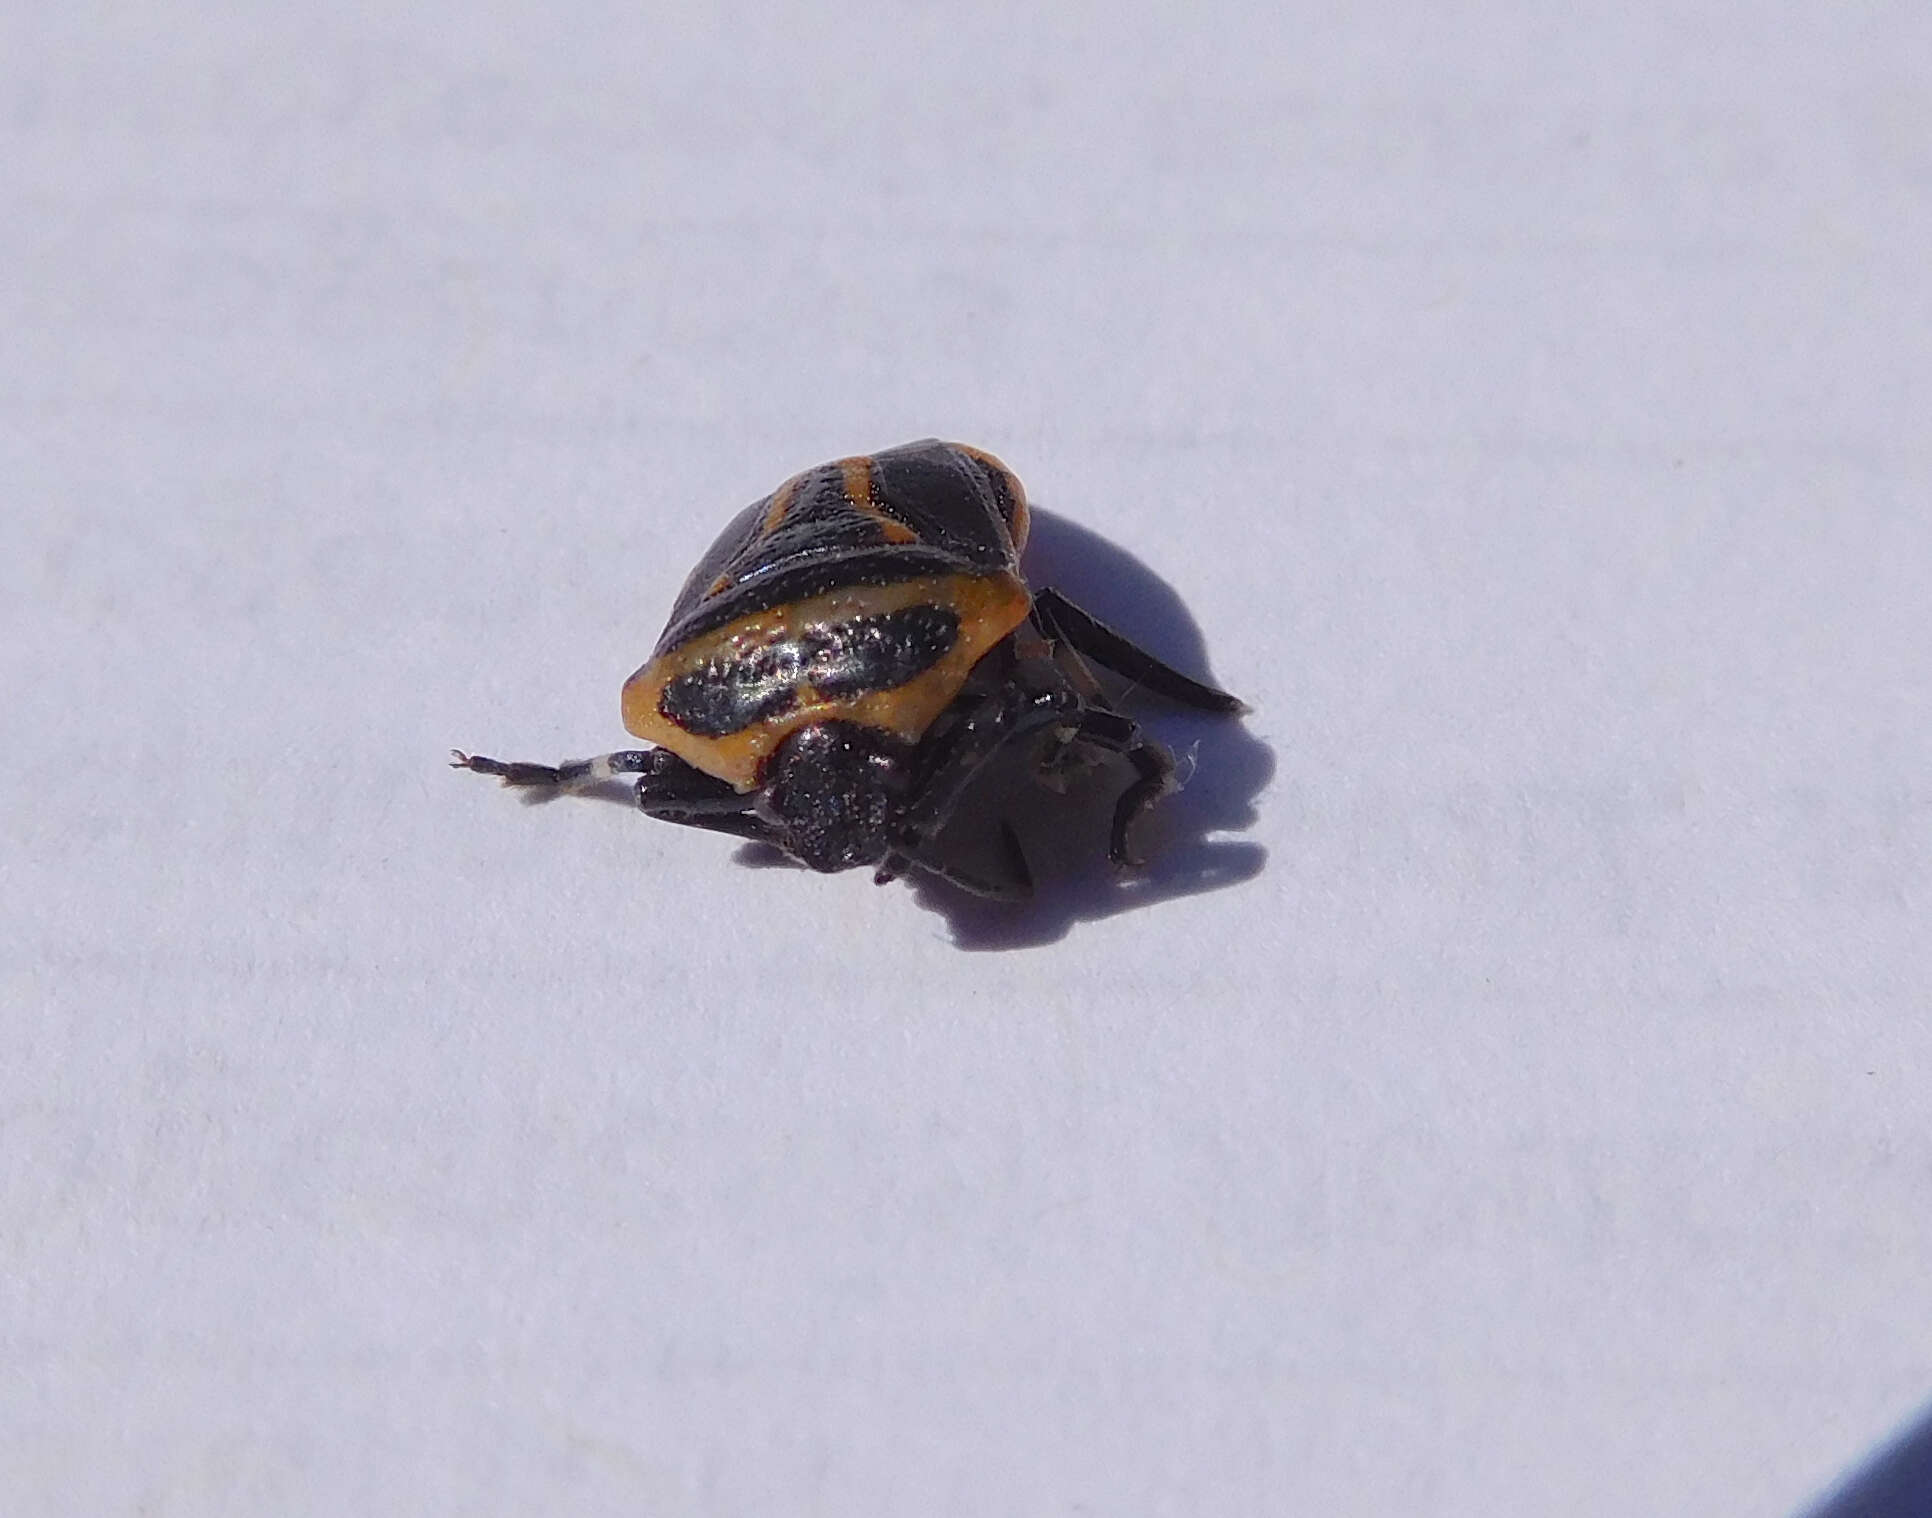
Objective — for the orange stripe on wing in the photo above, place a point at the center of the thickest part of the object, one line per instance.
(858, 490)
(781, 502)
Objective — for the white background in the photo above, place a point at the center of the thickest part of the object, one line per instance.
(1507, 1093)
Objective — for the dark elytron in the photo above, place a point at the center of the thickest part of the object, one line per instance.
(852, 653)
(925, 509)
(873, 653)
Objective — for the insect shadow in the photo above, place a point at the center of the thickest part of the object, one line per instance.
(1894, 1482)
(1223, 769)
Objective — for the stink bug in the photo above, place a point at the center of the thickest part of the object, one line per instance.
(852, 651)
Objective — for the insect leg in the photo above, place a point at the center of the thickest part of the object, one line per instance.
(1153, 764)
(570, 774)
(1013, 883)
(1037, 696)
(668, 788)
(673, 791)
(1105, 647)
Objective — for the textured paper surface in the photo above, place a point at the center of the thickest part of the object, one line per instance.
(1508, 1092)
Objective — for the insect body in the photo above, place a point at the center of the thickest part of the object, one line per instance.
(848, 656)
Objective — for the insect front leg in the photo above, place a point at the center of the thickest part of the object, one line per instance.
(570, 775)
(673, 791)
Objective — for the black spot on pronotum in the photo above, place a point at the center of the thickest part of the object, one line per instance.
(877, 653)
(727, 697)
(843, 660)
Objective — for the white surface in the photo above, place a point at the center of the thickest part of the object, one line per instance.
(1530, 405)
